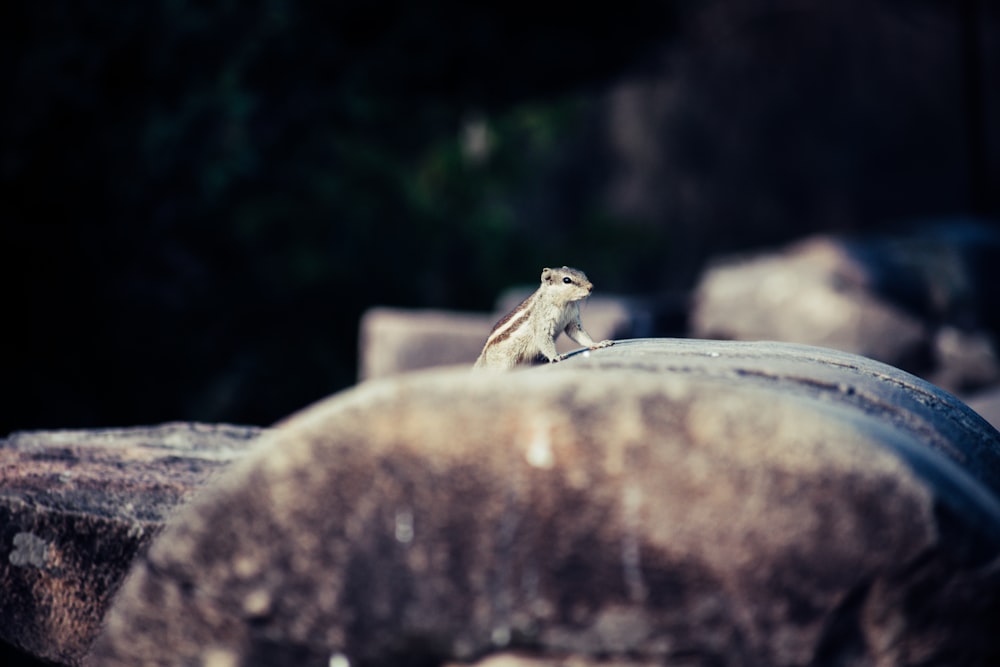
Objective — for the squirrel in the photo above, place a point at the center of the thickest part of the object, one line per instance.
(532, 328)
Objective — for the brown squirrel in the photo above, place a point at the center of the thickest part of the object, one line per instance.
(531, 329)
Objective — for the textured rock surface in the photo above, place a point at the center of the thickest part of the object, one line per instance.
(75, 509)
(657, 502)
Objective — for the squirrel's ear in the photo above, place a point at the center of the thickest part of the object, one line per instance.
(545, 274)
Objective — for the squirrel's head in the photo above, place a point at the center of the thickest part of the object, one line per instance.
(570, 284)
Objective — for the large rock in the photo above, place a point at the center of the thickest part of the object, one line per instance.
(657, 502)
(75, 509)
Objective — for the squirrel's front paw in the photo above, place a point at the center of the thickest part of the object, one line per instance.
(603, 343)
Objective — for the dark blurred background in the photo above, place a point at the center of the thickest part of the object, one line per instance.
(199, 200)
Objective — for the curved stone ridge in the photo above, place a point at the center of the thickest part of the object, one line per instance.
(657, 502)
(931, 416)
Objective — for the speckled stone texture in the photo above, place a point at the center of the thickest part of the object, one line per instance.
(657, 502)
(75, 509)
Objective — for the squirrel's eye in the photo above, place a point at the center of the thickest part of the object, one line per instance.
(567, 280)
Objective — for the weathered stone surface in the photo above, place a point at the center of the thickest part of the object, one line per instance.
(75, 509)
(936, 418)
(657, 502)
(394, 340)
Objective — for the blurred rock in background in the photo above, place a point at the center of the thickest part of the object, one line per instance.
(925, 302)
(987, 404)
(394, 341)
